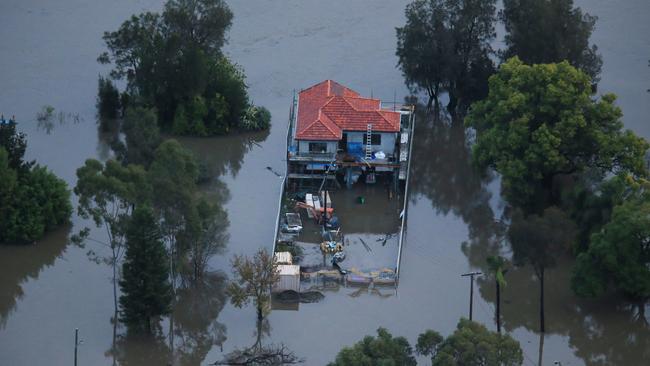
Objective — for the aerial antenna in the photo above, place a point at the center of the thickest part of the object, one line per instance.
(371, 93)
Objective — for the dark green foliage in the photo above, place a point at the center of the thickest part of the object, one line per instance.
(142, 136)
(173, 63)
(32, 199)
(445, 46)
(618, 255)
(173, 175)
(203, 236)
(590, 206)
(146, 292)
(256, 118)
(471, 344)
(548, 31)
(15, 144)
(108, 102)
(384, 350)
(540, 123)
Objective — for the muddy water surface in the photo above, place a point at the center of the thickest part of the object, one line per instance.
(47, 56)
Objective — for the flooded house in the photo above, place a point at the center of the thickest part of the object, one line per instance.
(343, 205)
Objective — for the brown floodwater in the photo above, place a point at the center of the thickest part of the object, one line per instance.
(47, 57)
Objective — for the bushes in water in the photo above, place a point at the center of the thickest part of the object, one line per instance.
(173, 62)
(256, 118)
(32, 202)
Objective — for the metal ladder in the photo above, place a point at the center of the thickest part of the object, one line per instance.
(369, 142)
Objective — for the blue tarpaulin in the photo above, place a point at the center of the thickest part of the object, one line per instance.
(355, 148)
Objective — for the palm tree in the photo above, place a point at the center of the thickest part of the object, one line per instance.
(497, 266)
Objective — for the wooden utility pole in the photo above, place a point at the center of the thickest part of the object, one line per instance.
(471, 289)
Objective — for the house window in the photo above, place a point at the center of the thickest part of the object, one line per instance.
(317, 147)
(375, 138)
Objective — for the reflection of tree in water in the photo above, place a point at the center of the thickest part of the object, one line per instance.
(22, 263)
(139, 350)
(442, 171)
(223, 154)
(197, 304)
(259, 353)
(197, 308)
(601, 331)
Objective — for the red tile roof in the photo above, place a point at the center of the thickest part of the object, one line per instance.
(328, 108)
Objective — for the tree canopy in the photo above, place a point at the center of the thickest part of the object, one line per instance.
(540, 122)
(33, 200)
(173, 62)
(471, 344)
(445, 47)
(146, 292)
(253, 279)
(548, 31)
(618, 255)
(381, 350)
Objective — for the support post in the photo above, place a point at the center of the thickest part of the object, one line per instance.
(471, 289)
(76, 344)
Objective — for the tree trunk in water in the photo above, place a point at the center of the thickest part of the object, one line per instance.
(541, 301)
(498, 310)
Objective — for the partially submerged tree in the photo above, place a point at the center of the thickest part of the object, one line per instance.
(471, 344)
(540, 123)
(253, 279)
(540, 241)
(141, 136)
(618, 255)
(32, 199)
(381, 350)
(146, 292)
(15, 144)
(108, 194)
(203, 237)
(172, 62)
(548, 31)
(445, 46)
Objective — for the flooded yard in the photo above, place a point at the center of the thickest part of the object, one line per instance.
(49, 52)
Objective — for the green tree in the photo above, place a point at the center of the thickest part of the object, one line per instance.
(108, 102)
(203, 23)
(498, 267)
(540, 241)
(203, 236)
(108, 193)
(142, 136)
(173, 63)
(471, 344)
(548, 31)
(540, 122)
(173, 175)
(381, 350)
(32, 202)
(15, 144)
(618, 255)
(146, 292)
(445, 46)
(253, 279)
